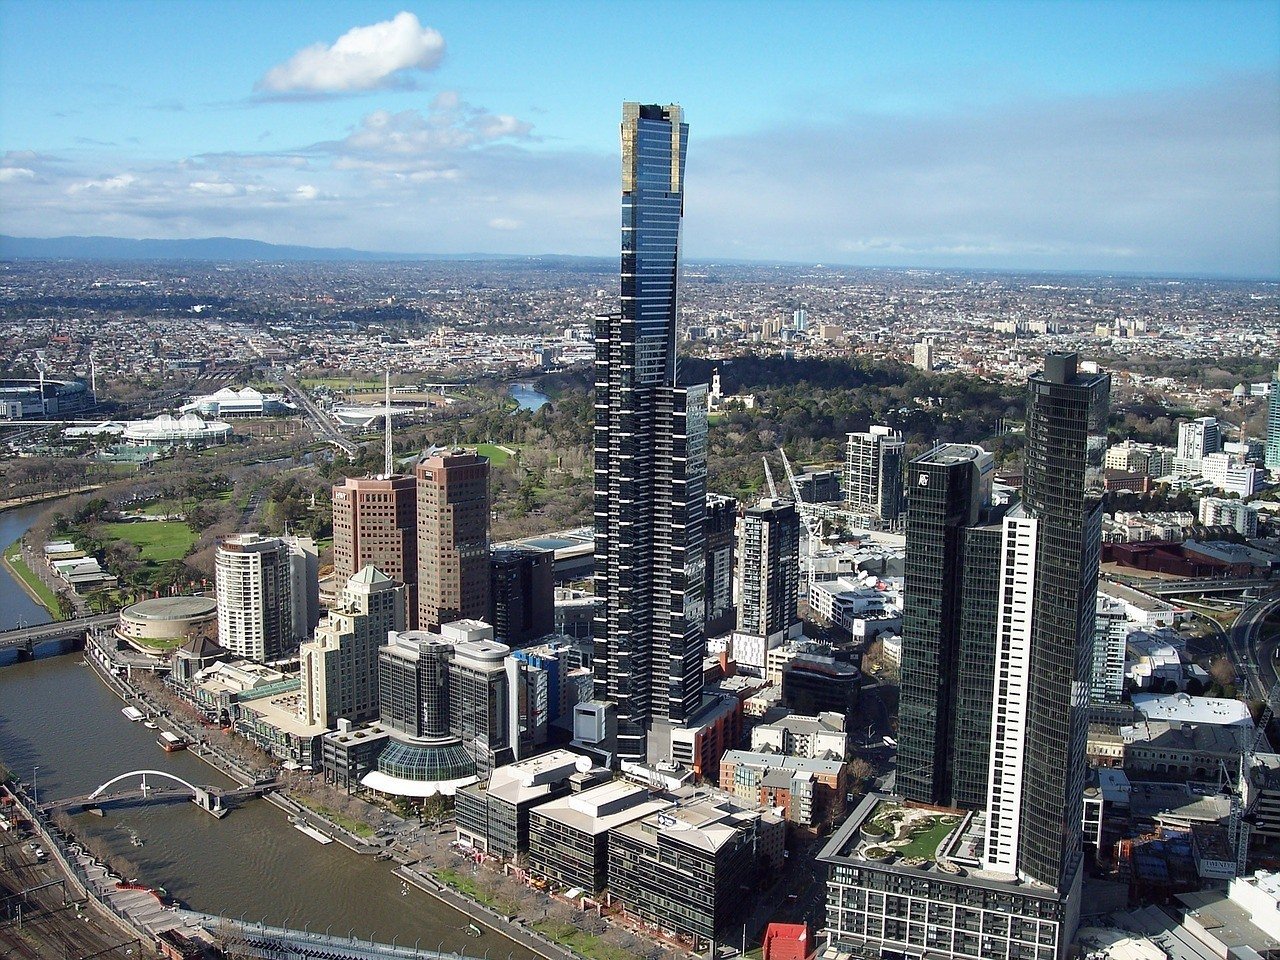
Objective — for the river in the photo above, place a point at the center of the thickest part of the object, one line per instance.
(527, 398)
(16, 607)
(62, 729)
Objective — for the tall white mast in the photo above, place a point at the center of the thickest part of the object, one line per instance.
(386, 416)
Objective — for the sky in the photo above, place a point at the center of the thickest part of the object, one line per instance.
(1101, 136)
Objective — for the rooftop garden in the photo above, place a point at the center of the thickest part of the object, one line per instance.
(914, 835)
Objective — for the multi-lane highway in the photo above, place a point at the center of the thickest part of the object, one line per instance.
(321, 422)
(1253, 648)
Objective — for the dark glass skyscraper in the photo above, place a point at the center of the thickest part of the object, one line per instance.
(650, 458)
(948, 628)
(1061, 493)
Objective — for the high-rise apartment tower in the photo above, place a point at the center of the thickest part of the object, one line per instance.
(375, 522)
(873, 473)
(650, 459)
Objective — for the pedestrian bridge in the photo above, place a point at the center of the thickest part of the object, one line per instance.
(208, 798)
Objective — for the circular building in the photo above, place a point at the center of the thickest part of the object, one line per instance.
(168, 431)
(21, 399)
(160, 625)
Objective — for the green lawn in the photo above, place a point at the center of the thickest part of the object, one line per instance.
(926, 844)
(13, 557)
(158, 540)
(340, 383)
(581, 942)
(494, 452)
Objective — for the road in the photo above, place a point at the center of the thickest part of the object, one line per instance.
(321, 423)
(1255, 654)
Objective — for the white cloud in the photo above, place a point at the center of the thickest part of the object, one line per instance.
(306, 192)
(363, 58)
(116, 184)
(12, 174)
(215, 188)
(503, 223)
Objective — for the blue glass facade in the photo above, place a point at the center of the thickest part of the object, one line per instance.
(650, 455)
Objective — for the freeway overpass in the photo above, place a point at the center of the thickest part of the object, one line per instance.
(26, 638)
(1176, 588)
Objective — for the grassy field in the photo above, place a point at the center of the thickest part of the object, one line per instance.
(926, 844)
(13, 558)
(158, 540)
(581, 942)
(494, 452)
(340, 383)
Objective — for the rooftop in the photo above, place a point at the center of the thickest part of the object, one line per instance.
(1183, 708)
(172, 608)
(602, 808)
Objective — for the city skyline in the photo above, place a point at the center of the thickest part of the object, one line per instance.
(985, 135)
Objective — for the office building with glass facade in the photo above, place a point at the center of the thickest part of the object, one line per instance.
(948, 627)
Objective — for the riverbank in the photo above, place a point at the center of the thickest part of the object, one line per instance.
(27, 580)
(42, 497)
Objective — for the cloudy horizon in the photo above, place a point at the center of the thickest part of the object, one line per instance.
(416, 133)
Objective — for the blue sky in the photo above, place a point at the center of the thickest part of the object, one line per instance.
(1089, 135)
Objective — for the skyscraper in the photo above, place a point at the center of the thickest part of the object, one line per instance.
(650, 459)
(1007, 879)
(1198, 438)
(948, 627)
(375, 521)
(722, 516)
(521, 594)
(266, 589)
(1272, 457)
(1044, 654)
(453, 539)
(769, 571)
(873, 473)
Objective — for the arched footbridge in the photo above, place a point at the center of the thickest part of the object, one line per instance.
(208, 798)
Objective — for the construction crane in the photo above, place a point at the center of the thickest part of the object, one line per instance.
(811, 515)
(768, 478)
(1241, 803)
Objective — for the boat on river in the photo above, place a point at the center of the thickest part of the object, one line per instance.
(171, 742)
(133, 713)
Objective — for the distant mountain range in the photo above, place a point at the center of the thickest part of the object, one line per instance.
(225, 248)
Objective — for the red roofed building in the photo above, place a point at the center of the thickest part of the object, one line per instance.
(787, 941)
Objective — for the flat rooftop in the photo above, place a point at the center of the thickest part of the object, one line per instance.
(1183, 708)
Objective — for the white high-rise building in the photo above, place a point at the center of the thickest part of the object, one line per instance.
(800, 320)
(340, 666)
(874, 463)
(1198, 438)
(1230, 476)
(1240, 516)
(267, 592)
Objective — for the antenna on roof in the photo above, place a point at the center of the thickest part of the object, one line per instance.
(386, 416)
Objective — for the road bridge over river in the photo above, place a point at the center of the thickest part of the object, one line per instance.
(25, 639)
